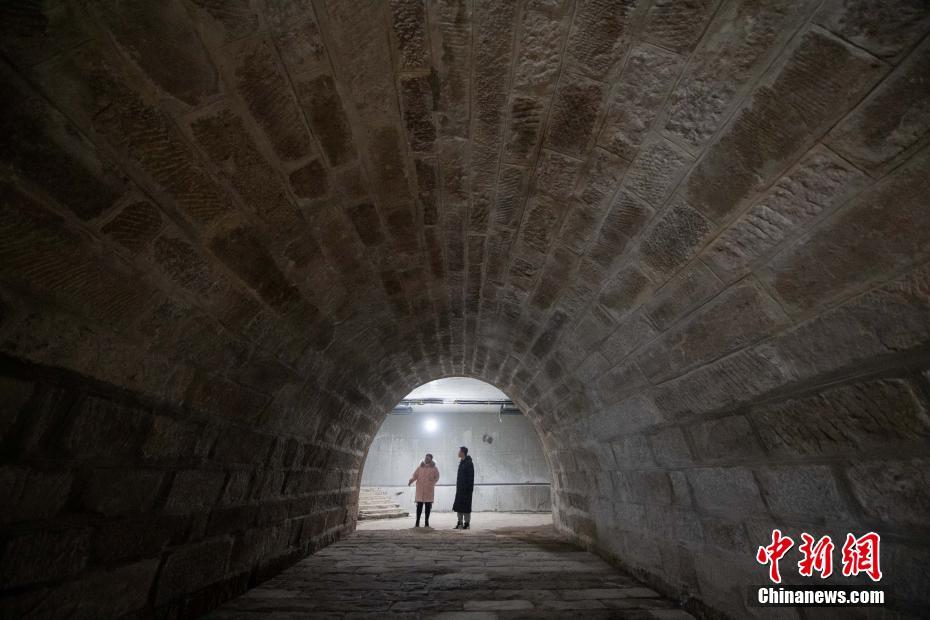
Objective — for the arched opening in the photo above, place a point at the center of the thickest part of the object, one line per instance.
(512, 474)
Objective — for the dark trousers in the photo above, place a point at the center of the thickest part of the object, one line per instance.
(429, 506)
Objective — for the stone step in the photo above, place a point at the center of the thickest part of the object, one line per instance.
(375, 504)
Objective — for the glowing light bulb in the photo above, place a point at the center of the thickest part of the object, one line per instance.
(430, 425)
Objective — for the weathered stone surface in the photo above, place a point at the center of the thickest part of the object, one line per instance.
(674, 238)
(734, 319)
(682, 294)
(417, 101)
(135, 226)
(192, 567)
(309, 181)
(821, 80)
(844, 420)
(597, 40)
(159, 38)
(114, 492)
(893, 491)
(42, 145)
(296, 35)
(194, 489)
(408, 21)
(656, 170)
(576, 108)
(647, 78)
(630, 335)
(102, 594)
(858, 242)
(724, 491)
(734, 47)
(542, 37)
(818, 184)
(678, 25)
(891, 119)
(624, 292)
(32, 494)
(802, 491)
(322, 107)
(724, 439)
(526, 119)
(270, 100)
(884, 28)
(49, 554)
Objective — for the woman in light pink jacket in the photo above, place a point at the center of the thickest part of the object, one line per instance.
(426, 477)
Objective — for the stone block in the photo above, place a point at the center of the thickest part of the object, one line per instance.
(624, 292)
(408, 22)
(895, 492)
(887, 29)
(684, 293)
(671, 448)
(245, 254)
(194, 490)
(632, 451)
(734, 49)
(632, 333)
(539, 58)
(733, 379)
(417, 101)
(120, 491)
(890, 120)
(322, 106)
(159, 38)
(725, 439)
(735, 319)
(726, 491)
(678, 25)
(270, 98)
(101, 593)
(807, 492)
(656, 171)
(845, 420)
(818, 184)
(135, 226)
(576, 109)
(526, 118)
(859, 242)
(820, 80)
(100, 427)
(296, 35)
(192, 567)
(45, 555)
(600, 36)
(124, 540)
(635, 99)
(620, 382)
(29, 494)
(309, 181)
(674, 238)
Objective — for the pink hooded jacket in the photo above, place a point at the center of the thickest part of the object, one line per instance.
(426, 477)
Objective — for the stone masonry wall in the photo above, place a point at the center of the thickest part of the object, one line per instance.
(689, 239)
(114, 504)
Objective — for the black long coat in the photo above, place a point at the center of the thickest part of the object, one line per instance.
(464, 485)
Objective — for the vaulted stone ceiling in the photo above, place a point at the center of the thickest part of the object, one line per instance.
(642, 220)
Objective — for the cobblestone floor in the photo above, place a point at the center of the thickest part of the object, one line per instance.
(519, 572)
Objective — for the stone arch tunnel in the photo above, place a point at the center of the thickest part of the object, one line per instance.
(689, 239)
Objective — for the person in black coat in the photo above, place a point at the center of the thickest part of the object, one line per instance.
(464, 486)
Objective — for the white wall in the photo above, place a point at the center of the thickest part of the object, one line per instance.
(511, 472)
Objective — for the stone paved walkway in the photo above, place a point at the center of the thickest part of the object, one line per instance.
(505, 573)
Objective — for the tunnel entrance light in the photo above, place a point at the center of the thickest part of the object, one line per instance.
(430, 425)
